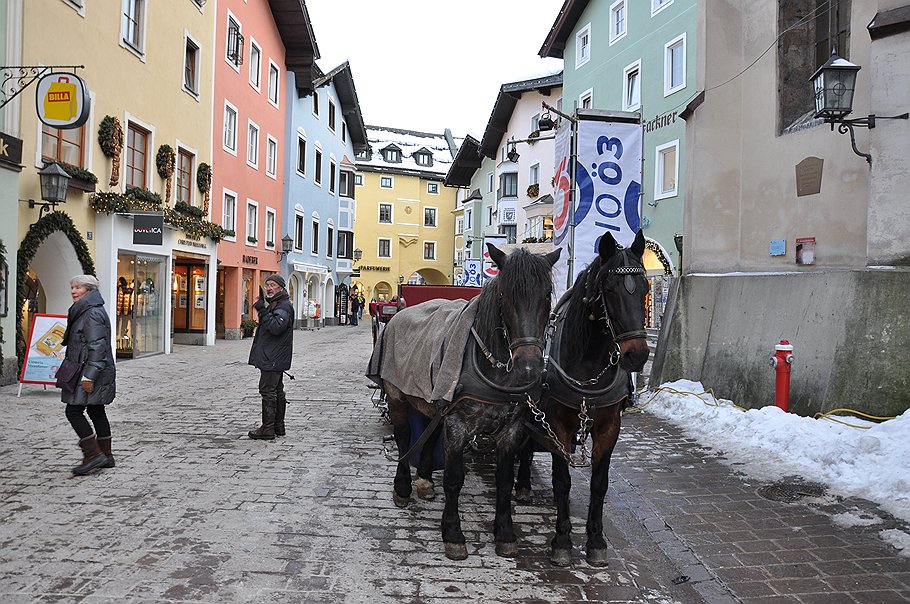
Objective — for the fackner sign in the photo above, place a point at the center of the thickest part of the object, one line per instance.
(148, 229)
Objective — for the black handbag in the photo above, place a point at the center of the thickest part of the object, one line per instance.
(68, 375)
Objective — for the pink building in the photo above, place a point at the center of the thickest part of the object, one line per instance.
(256, 44)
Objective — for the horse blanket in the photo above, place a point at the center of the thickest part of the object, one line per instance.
(421, 348)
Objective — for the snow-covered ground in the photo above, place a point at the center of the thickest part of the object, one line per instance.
(870, 460)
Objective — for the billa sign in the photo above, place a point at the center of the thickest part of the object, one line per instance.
(148, 229)
(62, 100)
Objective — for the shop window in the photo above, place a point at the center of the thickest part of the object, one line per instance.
(189, 298)
(137, 141)
(63, 145)
(139, 306)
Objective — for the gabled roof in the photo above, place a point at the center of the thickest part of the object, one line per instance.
(296, 31)
(343, 79)
(467, 161)
(505, 104)
(568, 16)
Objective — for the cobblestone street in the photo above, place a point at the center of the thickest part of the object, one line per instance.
(197, 512)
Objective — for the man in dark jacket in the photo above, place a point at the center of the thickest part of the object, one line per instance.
(271, 354)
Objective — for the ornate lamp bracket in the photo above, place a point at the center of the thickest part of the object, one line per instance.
(16, 78)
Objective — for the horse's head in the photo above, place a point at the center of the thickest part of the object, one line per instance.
(615, 293)
(524, 288)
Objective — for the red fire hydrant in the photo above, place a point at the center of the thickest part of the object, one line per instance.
(781, 361)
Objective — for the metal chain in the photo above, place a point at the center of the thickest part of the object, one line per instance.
(576, 461)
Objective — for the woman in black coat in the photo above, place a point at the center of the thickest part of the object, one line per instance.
(88, 343)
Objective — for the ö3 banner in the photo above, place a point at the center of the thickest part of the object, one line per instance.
(607, 191)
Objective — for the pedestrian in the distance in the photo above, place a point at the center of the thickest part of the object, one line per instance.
(271, 353)
(355, 309)
(88, 344)
(361, 301)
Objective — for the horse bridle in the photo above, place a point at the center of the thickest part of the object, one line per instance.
(513, 344)
(628, 270)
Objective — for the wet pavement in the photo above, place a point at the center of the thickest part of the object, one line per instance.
(197, 512)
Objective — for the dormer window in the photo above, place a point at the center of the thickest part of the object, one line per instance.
(423, 158)
(392, 155)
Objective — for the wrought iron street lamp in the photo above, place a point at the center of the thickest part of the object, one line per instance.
(54, 184)
(834, 84)
(358, 254)
(287, 244)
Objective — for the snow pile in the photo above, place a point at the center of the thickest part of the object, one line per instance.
(872, 463)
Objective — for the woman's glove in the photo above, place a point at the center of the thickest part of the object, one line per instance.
(88, 386)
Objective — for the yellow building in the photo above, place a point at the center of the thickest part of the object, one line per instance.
(149, 68)
(405, 223)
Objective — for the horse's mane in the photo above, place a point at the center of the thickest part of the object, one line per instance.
(523, 276)
(577, 329)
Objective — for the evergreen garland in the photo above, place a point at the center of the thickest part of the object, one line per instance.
(78, 173)
(204, 184)
(195, 226)
(164, 161)
(651, 245)
(110, 138)
(37, 233)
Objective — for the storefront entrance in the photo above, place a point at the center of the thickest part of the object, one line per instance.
(189, 299)
(140, 325)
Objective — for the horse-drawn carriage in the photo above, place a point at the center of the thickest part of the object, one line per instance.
(381, 312)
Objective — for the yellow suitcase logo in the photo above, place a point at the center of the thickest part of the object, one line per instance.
(62, 100)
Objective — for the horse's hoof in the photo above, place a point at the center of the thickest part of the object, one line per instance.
(506, 550)
(561, 557)
(456, 551)
(425, 489)
(400, 501)
(523, 495)
(597, 557)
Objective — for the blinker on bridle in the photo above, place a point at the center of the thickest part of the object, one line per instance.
(629, 285)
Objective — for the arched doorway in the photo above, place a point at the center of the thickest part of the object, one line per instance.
(51, 253)
(328, 302)
(659, 270)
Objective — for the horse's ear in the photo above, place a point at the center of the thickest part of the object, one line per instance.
(553, 256)
(498, 256)
(607, 246)
(638, 246)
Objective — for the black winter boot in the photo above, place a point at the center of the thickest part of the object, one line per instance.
(105, 445)
(279, 416)
(267, 430)
(92, 457)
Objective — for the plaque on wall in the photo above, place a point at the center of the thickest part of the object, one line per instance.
(809, 176)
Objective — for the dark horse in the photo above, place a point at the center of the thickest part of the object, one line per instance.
(598, 339)
(502, 364)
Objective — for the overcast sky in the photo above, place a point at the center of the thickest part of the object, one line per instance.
(428, 65)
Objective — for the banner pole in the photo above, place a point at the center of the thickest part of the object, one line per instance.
(573, 155)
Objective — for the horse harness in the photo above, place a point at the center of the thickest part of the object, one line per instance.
(585, 395)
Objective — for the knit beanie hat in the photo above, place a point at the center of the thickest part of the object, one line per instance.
(277, 279)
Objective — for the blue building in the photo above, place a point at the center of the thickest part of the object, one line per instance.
(325, 130)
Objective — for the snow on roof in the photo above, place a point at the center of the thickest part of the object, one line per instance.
(410, 142)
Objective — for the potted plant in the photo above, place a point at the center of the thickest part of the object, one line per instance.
(247, 326)
(251, 239)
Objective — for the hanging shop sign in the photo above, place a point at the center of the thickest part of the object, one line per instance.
(62, 100)
(45, 350)
(148, 229)
(10, 150)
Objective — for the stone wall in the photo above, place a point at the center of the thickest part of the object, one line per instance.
(850, 331)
